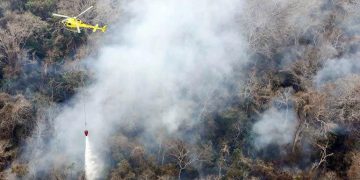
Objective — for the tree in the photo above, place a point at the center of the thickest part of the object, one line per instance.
(123, 171)
(224, 153)
(41, 8)
(186, 155)
(18, 28)
(324, 154)
(180, 153)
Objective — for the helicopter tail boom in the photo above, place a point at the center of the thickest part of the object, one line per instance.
(96, 27)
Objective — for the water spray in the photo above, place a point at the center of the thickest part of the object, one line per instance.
(91, 165)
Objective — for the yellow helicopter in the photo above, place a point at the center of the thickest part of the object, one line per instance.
(74, 24)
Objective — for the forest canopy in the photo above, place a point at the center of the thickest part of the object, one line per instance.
(240, 89)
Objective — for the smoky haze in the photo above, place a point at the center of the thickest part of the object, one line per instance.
(277, 125)
(337, 68)
(161, 68)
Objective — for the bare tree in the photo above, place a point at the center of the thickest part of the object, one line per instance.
(269, 24)
(343, 102)
(183, 154)
(311, 109)
(224, 153)
(179, 151)
(324, 154)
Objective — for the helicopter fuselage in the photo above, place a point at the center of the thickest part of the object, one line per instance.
(73, 23)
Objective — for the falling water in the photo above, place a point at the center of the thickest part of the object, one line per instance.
(92, 171)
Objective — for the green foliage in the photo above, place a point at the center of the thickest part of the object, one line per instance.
(62, 86)
(17, 4)
(238, 168)
(54, 44)
(41, 8)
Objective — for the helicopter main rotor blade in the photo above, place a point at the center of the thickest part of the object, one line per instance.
(84, 11)
(59, 15)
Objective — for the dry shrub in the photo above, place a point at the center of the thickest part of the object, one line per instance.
(331, 175)
(343, 104)
(354, 170)
(336, 103)
(258, 90)
(17, 29)
(20, 170)
(312, 112)
(262, 20)
(269, 171)
(311, 104)
(15, 112)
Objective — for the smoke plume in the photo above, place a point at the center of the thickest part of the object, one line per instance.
(157, 72)
(275, 127)
(337, 68)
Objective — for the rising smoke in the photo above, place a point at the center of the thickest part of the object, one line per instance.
(276, 125)
(337, 68)
(159, 71)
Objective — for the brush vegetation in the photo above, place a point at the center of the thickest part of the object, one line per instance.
(39, 69)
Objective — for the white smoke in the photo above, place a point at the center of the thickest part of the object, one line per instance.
(275, 127)
(337, 68)
(158, 72)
